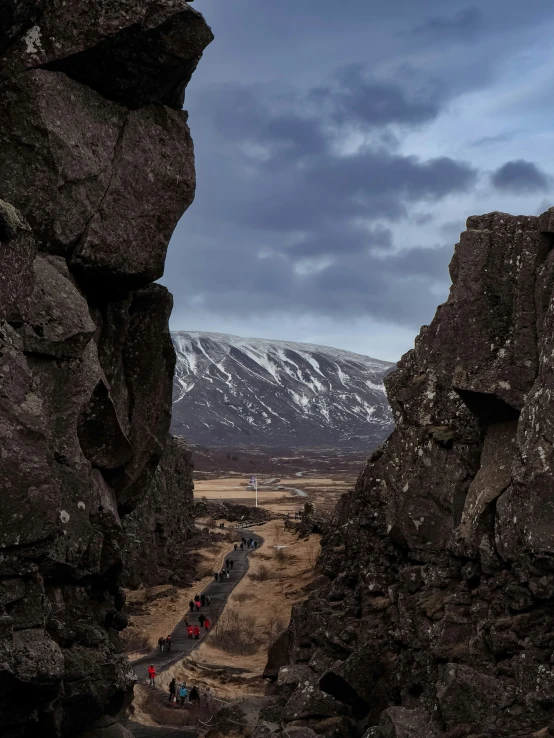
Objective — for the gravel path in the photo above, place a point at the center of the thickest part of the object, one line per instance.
(219, 593)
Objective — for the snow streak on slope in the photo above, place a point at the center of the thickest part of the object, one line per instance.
(232, 391)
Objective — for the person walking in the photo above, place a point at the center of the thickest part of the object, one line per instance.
(194, 694)
(207, 623)
(186, 620)
(208, 601)
(190, 630)
(232, 563)
(161, 643)
(183, 693)
(198, 605)
(152, 675)
(168, 643)
(196, 632)
(172, 688)
(191, 605)
(236, 546)
(203, 599)
(201, 618)
(216, 576)
(242, 546)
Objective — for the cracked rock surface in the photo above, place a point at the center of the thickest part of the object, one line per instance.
(95, 171)
(436, 615)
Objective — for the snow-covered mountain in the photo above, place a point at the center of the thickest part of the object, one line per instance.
(232, 392)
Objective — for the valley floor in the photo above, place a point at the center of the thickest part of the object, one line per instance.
(228, 664)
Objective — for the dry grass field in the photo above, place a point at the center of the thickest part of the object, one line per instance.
(231, 660)
(322, 491)
(164, 606)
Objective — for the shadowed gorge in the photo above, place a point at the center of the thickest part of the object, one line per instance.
(291, 598)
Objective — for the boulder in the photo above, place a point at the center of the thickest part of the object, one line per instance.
(61, 137)
(397, 722)
(58, 321)
(468, 696)
(155, 152)
(309, 701)
(134, 53)
(81, 151)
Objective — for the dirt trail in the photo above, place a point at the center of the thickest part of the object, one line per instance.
(219, 593)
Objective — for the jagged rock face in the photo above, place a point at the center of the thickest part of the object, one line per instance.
(159, 530)
(437, 615)
(90, 192)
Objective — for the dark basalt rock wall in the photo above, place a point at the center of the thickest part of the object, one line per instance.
(96, 167)
(161, 530)
(437, 618)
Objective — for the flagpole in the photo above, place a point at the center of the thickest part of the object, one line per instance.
(256, 491)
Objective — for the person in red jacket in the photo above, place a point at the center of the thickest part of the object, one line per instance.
(190, 630)
(152, 675)
(206, 623)
(196, 632)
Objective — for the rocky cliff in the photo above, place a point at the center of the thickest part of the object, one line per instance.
(96, 167)
(437, 618)
(161, 530)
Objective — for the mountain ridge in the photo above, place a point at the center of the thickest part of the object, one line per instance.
(231, 390)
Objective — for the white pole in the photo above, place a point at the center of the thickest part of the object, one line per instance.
(256, 491)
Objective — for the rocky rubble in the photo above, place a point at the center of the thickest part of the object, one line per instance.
(436, 617)
(231, 511)
(96, 167)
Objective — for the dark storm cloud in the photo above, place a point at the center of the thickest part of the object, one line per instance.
(306, 164)
(520, 177)
(357, 97)
(296, 222)
(394, 287)
(463, 26)
(294, 178)
(343, 238)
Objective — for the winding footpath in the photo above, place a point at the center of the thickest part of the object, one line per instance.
(219, 593)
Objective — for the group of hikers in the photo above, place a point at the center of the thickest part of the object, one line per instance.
(164, 644)
(194, 630)
(183, 693)
(248, 543)
(199, 601)
(225, 573)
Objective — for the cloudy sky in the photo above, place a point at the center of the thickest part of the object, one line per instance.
(340, 146)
